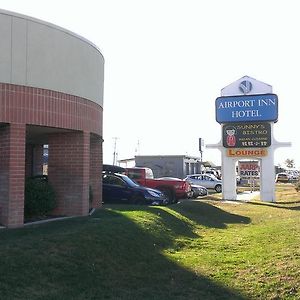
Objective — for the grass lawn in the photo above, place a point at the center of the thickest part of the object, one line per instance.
(204, 249)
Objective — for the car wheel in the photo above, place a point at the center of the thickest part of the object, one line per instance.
(169, 195)
(175, 200)
(218, 188)
(195, 195)
(138, 199)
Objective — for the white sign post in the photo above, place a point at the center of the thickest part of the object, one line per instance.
(248, 100)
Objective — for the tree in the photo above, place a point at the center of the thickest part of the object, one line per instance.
(290, 163)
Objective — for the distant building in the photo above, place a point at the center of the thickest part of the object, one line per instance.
(166, 165)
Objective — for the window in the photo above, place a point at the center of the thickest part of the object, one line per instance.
(113, 180)
(149, 173)
(135, 173)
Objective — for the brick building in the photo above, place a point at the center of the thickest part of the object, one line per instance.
(51, 92)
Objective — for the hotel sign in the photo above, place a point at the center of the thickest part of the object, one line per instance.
(245, 135)
(257, 152)
(247, 108)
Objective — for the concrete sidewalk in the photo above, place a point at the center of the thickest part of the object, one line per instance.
(247, 195)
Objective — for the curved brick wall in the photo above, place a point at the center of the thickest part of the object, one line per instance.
(27, 105)
(51, 82)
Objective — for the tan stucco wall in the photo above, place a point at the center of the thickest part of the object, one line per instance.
(38, 54)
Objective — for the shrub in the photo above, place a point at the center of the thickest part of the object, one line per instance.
(91, 196)
(39, 197)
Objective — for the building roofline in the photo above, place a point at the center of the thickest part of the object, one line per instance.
(25, 17)
(179, 155)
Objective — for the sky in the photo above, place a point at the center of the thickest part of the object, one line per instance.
(166, 62)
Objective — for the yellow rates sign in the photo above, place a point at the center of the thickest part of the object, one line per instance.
(244, 152)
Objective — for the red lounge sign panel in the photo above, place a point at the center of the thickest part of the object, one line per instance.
(259, 152)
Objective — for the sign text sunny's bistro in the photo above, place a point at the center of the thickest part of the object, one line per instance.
(243, 135)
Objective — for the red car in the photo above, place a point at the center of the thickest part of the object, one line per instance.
(173, 188)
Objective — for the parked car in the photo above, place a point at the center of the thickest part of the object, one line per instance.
(189, 193)
(173, 188)
(214, 172)
(206, 180)
(113, 169)
(119, 188)
(293, 175)
(282, 177)
(198, 191)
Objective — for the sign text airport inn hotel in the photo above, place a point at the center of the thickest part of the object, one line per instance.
(51, 93)
(247, 108)
(247, 111)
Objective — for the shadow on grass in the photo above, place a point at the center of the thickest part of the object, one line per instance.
(106, 256)
(167, 219)
(208, 215)
(284, 205)
(198, 212)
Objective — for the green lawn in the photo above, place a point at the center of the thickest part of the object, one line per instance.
(204, 249)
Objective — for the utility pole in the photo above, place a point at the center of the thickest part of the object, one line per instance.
(115, 154)
(137, 149)
(201, 144)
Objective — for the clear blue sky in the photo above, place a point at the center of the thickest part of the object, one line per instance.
(167, 60)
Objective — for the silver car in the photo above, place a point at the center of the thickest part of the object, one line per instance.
(198, 190)
(206, 180)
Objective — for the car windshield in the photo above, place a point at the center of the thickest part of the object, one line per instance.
(129, 181)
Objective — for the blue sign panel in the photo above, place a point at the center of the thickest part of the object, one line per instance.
(248, 108)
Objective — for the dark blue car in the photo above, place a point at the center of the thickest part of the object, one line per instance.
(119, 188)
